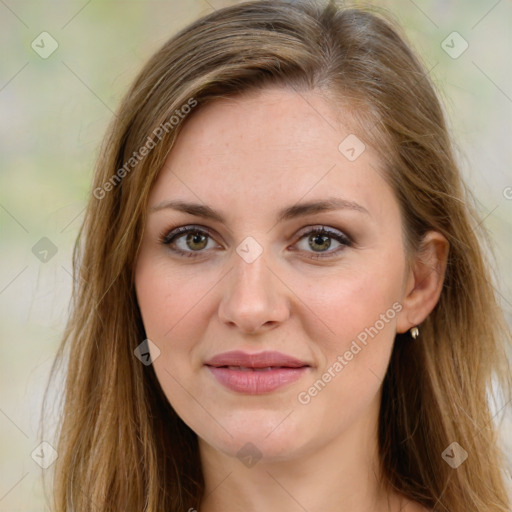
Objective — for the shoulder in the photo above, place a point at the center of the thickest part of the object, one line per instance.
(413, 506)
(405, 504)
(419, 508)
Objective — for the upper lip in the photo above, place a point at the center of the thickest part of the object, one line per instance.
(257, 360)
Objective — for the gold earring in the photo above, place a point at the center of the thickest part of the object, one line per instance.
(415, 332)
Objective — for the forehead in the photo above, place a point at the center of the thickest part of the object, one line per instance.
(276, 118)
(268, 148)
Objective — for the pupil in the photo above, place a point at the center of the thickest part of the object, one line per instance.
(196, 238)
(323, 239)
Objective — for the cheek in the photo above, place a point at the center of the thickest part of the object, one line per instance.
(173, 315)
(168, 298)
(358, 306)
(353, 299)
(361, 310)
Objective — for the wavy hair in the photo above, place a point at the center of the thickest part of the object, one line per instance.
(121, 445)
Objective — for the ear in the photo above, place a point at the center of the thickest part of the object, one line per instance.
(424, 281)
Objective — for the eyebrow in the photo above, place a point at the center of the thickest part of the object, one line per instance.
(291, 212)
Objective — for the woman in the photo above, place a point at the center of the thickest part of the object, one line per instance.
(283, 302)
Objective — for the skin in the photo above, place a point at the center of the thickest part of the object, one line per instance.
(248, 157)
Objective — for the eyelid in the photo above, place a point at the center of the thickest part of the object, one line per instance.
(339, 236)
(169, 235)
(319, 228)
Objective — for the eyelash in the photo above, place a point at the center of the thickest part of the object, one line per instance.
(168, 237)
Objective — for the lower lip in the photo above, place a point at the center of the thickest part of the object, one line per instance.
(256, 382)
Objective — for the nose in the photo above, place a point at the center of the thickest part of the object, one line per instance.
(255, 298)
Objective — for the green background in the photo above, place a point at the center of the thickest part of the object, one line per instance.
(54, 112)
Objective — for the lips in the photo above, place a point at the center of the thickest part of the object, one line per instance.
(245, 369)
(238, 360)
(255, 374)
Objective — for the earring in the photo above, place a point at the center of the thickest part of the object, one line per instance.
(415, 332)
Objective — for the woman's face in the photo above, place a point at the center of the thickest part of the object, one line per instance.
(256, 277)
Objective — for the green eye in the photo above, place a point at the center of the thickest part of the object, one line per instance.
(190, 241)
(320, 240)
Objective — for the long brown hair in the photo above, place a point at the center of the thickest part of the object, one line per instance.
(121, 446)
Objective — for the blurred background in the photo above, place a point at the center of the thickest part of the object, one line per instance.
(63, 70)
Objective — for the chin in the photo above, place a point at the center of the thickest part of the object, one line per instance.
(267, 437)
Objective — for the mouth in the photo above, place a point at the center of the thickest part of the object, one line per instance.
(256, 381)
(256, 373)
(238, 359)
(258, 369)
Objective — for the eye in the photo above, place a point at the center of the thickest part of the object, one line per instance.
(190, 241)
(320, 240)
(186, 240)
